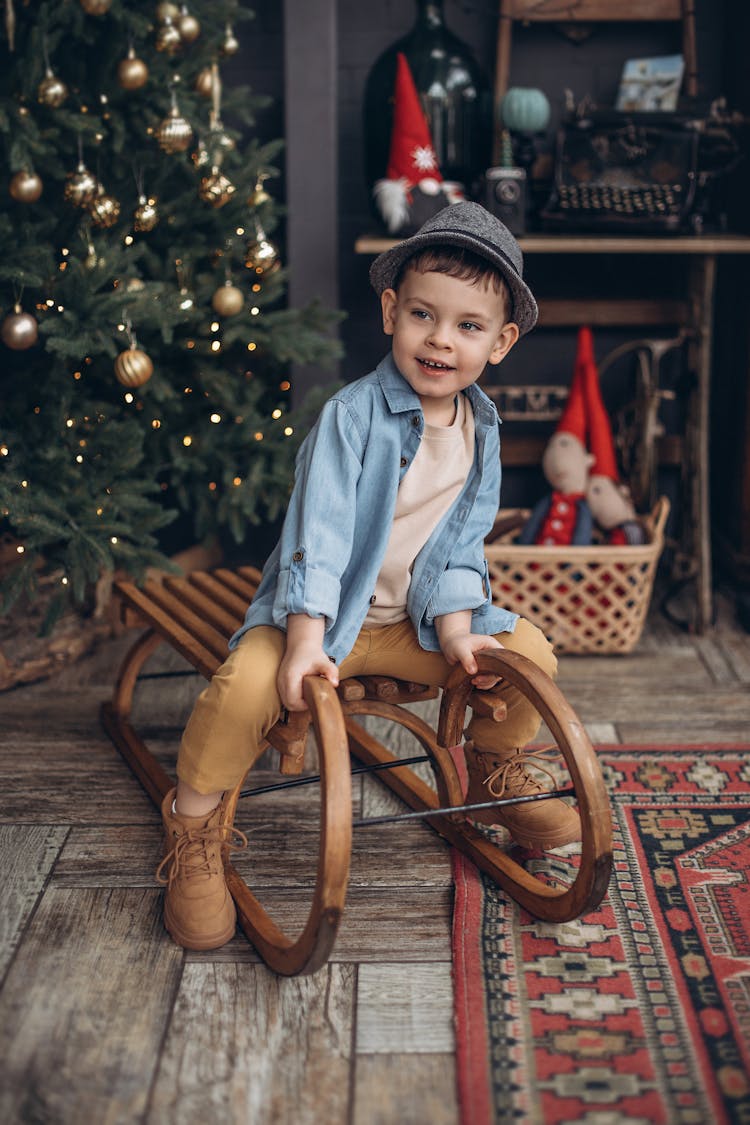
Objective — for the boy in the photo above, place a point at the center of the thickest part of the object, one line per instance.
(380, 566)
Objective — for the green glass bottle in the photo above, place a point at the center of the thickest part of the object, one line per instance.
(454, 92)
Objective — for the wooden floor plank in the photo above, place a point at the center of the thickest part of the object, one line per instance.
(406, 924)
(407, 1089)
(246, 1046)
(84, 1009)
(27, 853)
(405, 1009)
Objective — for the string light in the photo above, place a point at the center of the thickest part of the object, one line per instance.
(215, 418)
(237, 481)
(276, 413)
(114, 540)
(128, 240)
(258, 435)
(70, 422)
(251, 346)
(215, 326)
(155, 424)
(79, 459)
(20, 549)
(285, 385)
(129, 397)
(254, 310)
(216, 345)
(64, 580)
(187, 441)
(4, 451)
(288, 431)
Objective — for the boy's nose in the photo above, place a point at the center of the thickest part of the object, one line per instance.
(439, 337)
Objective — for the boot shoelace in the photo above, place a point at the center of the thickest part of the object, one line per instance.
(189, 857)
(512, 774)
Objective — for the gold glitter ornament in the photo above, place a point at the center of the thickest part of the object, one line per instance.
(132, 72)
(216, 188)
(52, 91)
(96, 7)
(104, 210)
(146, 216)
(261, 255)
(80, 186)
(188, 26)
(168, 39)
(175, 133)
(204, 83)
(133, 367)
(25, 187)
(166, 11)
(231, 45)
(19, 330)
(228, 300)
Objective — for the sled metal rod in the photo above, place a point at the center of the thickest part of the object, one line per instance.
(313, 778)
(168, 675)
(371, 821)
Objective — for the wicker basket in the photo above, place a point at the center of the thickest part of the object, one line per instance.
(591, 599)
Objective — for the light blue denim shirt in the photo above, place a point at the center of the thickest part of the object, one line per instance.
(340, 513)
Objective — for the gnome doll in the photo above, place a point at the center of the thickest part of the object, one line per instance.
(413, 189)
(608, 499)
(564, 517)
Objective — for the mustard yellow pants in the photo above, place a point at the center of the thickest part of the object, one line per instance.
(224, 735)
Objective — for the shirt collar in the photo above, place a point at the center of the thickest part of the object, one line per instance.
(400, 397)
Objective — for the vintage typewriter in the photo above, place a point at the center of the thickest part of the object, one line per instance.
(621, 172)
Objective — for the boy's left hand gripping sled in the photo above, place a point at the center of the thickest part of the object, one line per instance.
(196, 614)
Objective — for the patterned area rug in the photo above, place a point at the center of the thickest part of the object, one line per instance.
(637, 1014)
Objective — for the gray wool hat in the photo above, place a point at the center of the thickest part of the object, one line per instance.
(474, 228)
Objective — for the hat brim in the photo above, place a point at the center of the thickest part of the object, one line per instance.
(385, 270)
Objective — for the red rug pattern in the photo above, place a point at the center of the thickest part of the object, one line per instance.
(639, 1013)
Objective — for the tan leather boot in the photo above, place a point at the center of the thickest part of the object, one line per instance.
(499, 774)
(198, 909)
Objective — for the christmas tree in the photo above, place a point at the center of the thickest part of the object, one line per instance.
(146, 346)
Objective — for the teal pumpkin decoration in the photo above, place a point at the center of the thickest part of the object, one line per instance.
(525, 110)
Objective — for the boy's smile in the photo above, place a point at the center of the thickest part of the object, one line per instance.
(445, 331)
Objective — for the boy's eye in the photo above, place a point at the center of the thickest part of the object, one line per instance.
(470, 325)
(420, 314)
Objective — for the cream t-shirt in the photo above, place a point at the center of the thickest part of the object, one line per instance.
(428, 488)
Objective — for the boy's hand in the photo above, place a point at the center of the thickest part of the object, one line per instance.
(303, 656)
(458, 645)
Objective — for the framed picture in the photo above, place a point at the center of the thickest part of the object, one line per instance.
(651, 84)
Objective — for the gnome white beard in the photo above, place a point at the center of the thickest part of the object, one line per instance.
(392, 199)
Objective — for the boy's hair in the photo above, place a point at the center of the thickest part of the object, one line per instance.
(457, 262)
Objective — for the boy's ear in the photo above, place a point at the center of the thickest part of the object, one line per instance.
(388, 300)
(507, 337)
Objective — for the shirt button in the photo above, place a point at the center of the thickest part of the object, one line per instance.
(404, 462)
(415, 420)
(557, 524)
(562, 506)
(372, 600)
(298, 556)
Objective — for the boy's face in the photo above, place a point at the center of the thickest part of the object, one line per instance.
(445, 331)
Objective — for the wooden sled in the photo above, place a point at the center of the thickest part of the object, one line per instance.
(195, 615)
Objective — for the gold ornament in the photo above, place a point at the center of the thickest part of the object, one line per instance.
(228, 300)
(80, 186)
(19, 330)
(104, 210)
(231, 45)
(259, 195)
(166, 11)
(261, 255)
(168, 38)
(96, 7)
(25, 187)
(174, 134)
(201, 156)
(133, 367)
(204, 83)
(188, 26)
(146, 216)
(132, 73)
(216, 188)
(52, 91)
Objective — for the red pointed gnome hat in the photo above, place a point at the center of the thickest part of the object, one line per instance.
(601, 441)
(411, 155)
(573, 417)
